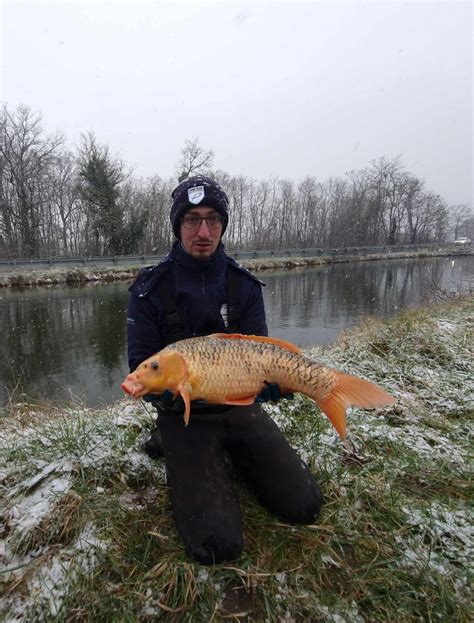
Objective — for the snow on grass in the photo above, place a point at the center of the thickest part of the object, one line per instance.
(45, 589)
(430, 443)
(27, 511)
(394, 540)
(443, 539)
(341, 613)
(41, 463)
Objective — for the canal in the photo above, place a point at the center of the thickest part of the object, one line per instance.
(66, 344)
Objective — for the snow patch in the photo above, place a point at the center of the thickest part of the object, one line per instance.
(49, 583)
(442, 539)
(41, 491)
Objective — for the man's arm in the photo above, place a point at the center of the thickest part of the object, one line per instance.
(252, 320)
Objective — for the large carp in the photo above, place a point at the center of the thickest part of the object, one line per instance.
(232, 369)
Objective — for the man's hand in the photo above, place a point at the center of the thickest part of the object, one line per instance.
(165, 401)
(271, 393)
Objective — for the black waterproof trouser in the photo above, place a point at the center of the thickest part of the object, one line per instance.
(205, 507)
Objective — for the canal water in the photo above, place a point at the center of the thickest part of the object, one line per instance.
(66, 344)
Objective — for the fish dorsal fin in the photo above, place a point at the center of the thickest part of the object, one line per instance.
(258, 338)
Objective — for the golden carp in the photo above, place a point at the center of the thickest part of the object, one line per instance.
(232, 369)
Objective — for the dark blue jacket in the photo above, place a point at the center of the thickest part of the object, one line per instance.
(201, 293)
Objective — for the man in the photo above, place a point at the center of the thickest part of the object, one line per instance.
(198, 290)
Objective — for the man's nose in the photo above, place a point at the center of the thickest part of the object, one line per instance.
(203, 229)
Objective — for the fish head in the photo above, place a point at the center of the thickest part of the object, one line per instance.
(163, 371)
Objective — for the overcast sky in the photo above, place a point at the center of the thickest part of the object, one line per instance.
(274, 89)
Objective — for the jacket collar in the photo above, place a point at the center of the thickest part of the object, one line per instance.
(215, 263)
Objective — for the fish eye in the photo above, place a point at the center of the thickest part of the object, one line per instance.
(154, 365)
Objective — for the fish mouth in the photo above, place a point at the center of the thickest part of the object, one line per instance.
(133, 387)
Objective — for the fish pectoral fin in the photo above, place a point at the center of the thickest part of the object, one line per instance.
(184, 392)
(258, 338)
(239, 402)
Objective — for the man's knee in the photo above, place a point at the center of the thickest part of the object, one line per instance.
(306, 509)
(297, 500)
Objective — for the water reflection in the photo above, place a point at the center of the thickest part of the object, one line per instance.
(311, 306)
(60, 342)
(63, 342)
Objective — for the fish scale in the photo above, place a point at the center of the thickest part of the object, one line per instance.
(232, 369)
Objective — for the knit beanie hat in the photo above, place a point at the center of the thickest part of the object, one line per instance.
(195, 191)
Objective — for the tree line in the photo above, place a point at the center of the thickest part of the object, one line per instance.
(55, 201)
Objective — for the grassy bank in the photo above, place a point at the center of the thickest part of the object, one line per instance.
(34, 276)
(88, 534)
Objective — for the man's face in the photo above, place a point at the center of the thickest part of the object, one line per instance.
(201, 242)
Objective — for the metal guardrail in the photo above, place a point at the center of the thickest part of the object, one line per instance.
(239, 255)
(78, 261)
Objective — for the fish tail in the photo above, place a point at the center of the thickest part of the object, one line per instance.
(348, 391)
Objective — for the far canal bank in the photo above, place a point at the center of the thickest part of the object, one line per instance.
(34, 275)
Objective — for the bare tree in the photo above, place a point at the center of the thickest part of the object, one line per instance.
(349, 223)
(64, 199)
(458, 215)
(146, 203)
(237, 189)
(308, 221)
(440, 220)
(343, 218)
(415, 209)
(433, 216)
(26, 158)
(263, 206)
(386, 205)
(286, 214)
(194, 159)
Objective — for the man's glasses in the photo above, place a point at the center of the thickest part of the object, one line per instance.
(194, 222)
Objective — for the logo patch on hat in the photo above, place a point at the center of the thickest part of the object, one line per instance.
(196, 194)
